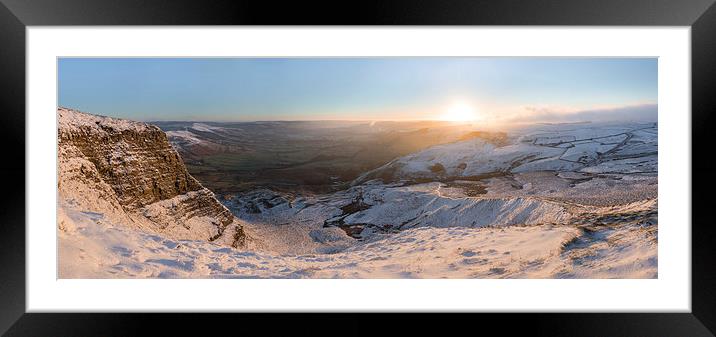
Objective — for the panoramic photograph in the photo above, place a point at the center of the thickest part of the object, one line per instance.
(371, 167)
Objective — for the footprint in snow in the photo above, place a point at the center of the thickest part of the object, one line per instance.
(469, 253)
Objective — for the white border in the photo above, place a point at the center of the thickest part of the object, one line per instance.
(670, 292)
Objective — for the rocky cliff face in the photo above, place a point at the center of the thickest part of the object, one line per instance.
(127, 172)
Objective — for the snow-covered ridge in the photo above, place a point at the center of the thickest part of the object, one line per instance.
(375, 207)
(126, 172)
(205, 127)
(70, 120)
(629, 148)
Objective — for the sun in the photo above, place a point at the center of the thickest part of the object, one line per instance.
(460, 112)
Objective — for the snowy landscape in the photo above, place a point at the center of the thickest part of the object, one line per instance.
(356, 199)
(423, 167)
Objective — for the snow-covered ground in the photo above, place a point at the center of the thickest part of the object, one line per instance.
(555, 201)
(100, 250)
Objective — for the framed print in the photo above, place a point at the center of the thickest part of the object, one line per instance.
(542, 165)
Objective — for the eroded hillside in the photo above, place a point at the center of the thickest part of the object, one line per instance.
(125, 172)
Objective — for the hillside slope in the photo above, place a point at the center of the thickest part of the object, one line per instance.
(124, 172)
(599, 148)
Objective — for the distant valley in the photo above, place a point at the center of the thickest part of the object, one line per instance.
(308, 157)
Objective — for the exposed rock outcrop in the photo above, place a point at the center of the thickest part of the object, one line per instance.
(127, 172)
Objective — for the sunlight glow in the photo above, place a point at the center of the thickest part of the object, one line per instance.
(460, 112)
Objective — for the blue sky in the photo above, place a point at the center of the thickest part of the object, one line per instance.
(214, 89)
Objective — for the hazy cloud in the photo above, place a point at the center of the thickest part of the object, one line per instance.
(641, 113)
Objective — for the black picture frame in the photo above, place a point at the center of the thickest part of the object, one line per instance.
(15, 15)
